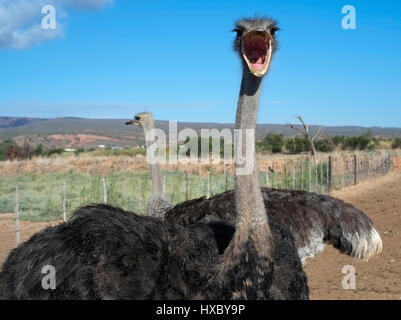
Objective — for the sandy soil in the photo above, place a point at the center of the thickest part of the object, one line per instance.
(7, 232)
(379, 278)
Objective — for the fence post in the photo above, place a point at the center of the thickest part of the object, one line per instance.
(208, 185)
(330, 174)
(140, 193)
(64, 202)
(302, 174)
(275, 176)
(226, 174)
(267, 178)
(316, 179)
(285, 176)
(293, 175)
(104, 190)
(321, 177)
(16, 218)
(164, 184)
(186, 186)
(310, 175)
(355, 170)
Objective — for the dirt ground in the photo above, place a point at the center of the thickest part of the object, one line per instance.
(379, 278)
(7, 232)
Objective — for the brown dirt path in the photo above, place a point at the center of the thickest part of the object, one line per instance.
(380, 277)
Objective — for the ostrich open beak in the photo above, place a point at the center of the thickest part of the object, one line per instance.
(134, 122)
(257, 51)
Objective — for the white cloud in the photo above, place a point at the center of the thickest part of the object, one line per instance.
(20, 20)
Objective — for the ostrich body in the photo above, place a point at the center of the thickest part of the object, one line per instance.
(314, 220)
(158, 203)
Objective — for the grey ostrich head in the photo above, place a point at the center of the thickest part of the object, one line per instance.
(255, 43)
(142, 119)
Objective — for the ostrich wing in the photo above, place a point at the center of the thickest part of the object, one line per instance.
(313, 219)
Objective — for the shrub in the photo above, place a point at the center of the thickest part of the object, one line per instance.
(273, 142)
(396, 143)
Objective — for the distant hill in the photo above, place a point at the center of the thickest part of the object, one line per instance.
(13, 122)
(87, 133)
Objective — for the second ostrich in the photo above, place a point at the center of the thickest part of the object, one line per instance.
(158, 203)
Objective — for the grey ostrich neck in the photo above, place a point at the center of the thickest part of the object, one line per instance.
(251, 215)
(155, 171)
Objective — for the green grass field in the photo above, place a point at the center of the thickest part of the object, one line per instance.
(40, 196)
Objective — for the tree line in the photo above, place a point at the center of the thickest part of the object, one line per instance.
(9, 150)
(274, 143)
(277, 143)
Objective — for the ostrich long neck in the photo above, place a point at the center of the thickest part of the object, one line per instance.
(251, 214)
(157, 184)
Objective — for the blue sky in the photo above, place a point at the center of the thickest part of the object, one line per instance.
(174, 58)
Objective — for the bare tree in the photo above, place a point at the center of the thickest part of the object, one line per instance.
(307, 134)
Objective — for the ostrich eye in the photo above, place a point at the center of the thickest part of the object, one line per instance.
(273, 30)
(239, 32)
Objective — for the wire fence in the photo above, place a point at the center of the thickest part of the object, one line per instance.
(54, 197)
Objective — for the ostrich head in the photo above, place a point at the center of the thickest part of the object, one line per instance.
(255, 43)
(143, 119)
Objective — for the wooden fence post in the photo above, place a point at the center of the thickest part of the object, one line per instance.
(275, 176)
(267, 178)
(104, 190)
(355, 170)
(285, 176)
(64, 202)
(16, 218)
(316, 178)
(293, 176)
(226, 176)
(208, 185)
(310, 175)
(164, 184)
(140, 194)
(321, 177)
(330, 174)
(186, 186)
(302, 174)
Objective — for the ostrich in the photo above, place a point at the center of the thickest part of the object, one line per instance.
(257, 258)
(158, 203)
(261, 260)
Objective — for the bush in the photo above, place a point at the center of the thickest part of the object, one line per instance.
(9, 150)
(325, 145)
(358, 143)
(396, 143)
(297, 145)
(272, 142)
(39, 150)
